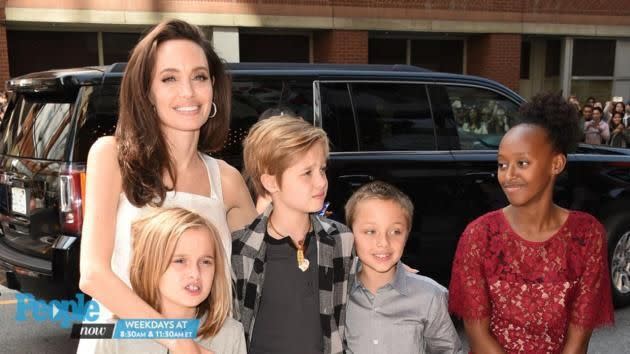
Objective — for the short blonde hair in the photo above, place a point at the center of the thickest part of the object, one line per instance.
(382, 191)
(273, 144)
(154, 238)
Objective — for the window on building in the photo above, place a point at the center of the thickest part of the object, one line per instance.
(552, 58)
(593, 57)
(118, 46)
(31, 51)
(393, 117)
(438, 55)
(285, 48)
(387, 51)
(526, 48)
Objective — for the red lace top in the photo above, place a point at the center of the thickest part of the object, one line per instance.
(532, 290)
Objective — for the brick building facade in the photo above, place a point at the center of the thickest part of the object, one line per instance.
(525, 44)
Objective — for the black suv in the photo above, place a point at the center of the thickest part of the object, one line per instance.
(434, 135)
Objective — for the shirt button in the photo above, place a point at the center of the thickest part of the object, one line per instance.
(375, 341)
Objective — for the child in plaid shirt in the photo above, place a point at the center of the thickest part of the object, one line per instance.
(301, 260)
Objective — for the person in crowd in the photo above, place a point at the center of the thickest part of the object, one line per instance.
(574, 101)
(618, 131)
(458, 112)
(587, 113)
(475, 124)
(591, 100)
(499, 123)
(291, 265)
(626, 115)
(389, 309)
(596, 131)
(612, 107)
(533, 277)
(174, 105)
(177, 267)
(263, 201)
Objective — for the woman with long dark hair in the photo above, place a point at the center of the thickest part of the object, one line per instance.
(174, 107)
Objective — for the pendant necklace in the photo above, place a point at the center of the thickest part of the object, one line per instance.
(302, 262)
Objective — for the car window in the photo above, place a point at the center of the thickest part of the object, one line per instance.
(337, 116)
(298, 95)
(393, 117)
(97, 117)
(36, 128)
(482, 116)
(252, 96)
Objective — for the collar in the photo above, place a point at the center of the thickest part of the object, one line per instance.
(399, 283)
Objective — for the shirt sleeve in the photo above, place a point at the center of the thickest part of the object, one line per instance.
(468, 291)
(592, 306)
(239, 343)
(440, 334)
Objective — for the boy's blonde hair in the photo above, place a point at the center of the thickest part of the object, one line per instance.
(154, 238)
(274, 144)
(382, 191)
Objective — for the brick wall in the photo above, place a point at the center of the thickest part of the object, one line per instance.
(496, 57)
(341, 47)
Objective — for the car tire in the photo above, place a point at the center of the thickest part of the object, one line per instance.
(618, 229)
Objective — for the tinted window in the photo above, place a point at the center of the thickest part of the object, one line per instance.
(36, 129)
(286, 48)
(298, 95)
(97, 117)
(393, 117)
(337, 116)
(31, 51)
(482, 116)
(387, 51)
(251, 97)
(593, 57)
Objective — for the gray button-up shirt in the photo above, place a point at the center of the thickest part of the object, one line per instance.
(408, 315)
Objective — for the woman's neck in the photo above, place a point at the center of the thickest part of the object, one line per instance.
(182, 148)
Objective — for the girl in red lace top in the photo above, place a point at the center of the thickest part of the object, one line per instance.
(533, 277)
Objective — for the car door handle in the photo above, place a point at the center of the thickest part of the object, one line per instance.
(356, 181)
(481, 177)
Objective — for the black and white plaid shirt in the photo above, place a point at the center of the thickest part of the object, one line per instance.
(334, 261)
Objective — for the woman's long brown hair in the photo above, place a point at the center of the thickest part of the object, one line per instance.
(143, 153)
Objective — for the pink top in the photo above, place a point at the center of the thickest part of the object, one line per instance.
(531, 291)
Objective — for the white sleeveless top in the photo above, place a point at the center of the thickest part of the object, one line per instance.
(211, 208)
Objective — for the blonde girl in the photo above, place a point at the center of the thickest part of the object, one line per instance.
(177, 267)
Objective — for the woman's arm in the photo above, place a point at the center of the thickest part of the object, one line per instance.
(103, 188)
(577, 340)
(239, 206)
(480, 338)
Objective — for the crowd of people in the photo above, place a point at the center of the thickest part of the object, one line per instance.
(604, 124)
(168, 228)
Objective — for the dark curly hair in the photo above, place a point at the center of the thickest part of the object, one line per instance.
(557, 116)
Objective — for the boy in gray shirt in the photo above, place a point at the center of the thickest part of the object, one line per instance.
(390, 310)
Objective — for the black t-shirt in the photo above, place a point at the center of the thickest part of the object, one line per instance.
(288, 320)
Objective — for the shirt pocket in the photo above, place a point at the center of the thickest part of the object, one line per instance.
(405, 338)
